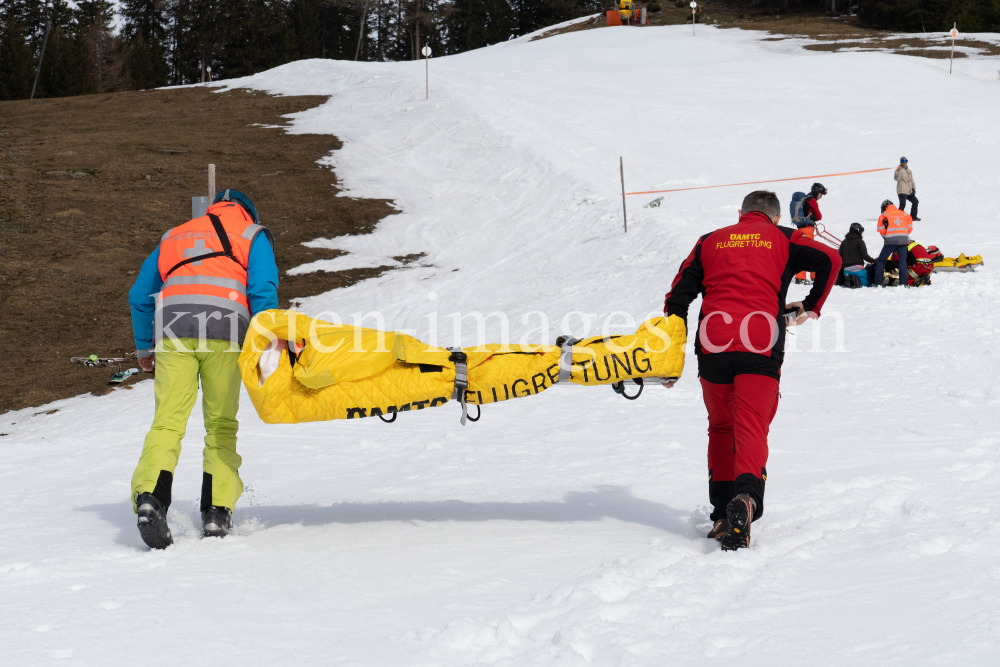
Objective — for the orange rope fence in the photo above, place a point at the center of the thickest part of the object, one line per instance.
(776, 180)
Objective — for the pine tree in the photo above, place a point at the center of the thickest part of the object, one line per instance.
(256, 35)
(472, 24)
(304, 21)
(18, 70)
(974, 16)
(144, 35)
(66, 69)
(95, 18)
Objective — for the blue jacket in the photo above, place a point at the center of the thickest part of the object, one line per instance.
(262, 289)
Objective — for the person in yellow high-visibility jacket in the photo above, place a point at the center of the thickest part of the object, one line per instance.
(194, 297)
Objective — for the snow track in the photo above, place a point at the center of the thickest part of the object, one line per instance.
(568, 528)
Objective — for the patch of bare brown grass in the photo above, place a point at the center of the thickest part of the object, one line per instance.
(91, 183)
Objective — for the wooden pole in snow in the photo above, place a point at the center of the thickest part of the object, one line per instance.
(954, 34)
(621, 164)
(426, 51)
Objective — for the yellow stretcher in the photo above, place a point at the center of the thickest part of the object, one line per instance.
(960, 263)
(300, 369)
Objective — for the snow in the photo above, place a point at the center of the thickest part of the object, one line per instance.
(568, 528)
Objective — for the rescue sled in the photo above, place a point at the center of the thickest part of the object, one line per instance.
(961, 263)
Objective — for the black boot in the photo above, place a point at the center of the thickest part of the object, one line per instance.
(217, 521)
(153, 521)
(720, 528)
(739, 511)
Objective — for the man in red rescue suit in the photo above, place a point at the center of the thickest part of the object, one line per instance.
(919, 264)
(743, 272)
(194, 298)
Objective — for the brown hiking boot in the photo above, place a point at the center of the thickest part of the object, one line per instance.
(739, 511)
(720, 528)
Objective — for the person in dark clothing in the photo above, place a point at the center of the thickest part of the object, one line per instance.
(811, 215)
(853, 251)
(854, 254)
(810, 205)
(742, 273)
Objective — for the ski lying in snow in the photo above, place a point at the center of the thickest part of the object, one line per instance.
(118, 378)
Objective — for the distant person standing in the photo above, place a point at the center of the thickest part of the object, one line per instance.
(895, 228)
(810, 216)
(906, 189)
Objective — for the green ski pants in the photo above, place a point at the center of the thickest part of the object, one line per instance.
(179, 364)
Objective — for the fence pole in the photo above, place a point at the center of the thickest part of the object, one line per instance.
(621, 164)
(954, 34)
(211, 183)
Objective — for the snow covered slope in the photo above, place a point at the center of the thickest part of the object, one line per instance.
(568, 528)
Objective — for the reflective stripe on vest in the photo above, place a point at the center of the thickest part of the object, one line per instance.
(198, 296)
(227, 283)
(899, 224)
(216, 303)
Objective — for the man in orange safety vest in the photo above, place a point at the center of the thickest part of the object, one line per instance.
(895, 228)
(191, 307)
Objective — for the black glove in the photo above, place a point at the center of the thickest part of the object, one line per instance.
(913, 192)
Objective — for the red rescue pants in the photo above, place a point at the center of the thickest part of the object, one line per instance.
(739, 418)
(811, 233)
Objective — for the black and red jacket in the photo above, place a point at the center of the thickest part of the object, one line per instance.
(742, 273)
(810, 208)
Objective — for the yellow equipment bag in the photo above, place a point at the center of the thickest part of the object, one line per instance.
(299, 369)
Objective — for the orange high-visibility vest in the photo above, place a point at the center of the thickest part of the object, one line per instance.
(893, 223)
(204, 292)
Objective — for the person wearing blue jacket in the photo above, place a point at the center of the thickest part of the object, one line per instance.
(191, 304)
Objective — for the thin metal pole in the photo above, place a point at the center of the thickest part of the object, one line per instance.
(950, 66)
(45, 42)
(364, 15)
(427, 77)
(692, 22)
(621, 162)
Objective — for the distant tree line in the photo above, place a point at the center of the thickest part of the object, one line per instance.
(172, 42)
(931, 15)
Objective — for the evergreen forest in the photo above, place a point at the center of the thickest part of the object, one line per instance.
(94, 46)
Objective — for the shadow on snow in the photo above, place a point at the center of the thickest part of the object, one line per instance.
(606, 502)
